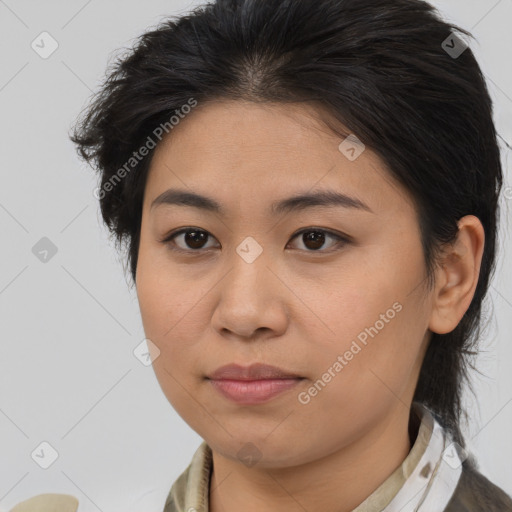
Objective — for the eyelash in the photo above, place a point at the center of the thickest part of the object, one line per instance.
(168, 240)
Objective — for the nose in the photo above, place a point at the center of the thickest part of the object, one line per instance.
(251, 299)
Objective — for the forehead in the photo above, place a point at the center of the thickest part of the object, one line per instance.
(258, 153)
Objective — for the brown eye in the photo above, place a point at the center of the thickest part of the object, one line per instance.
(314, 239)
(193, 240)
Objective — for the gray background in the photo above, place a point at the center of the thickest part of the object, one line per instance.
(69, 326)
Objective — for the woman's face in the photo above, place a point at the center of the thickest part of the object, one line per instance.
(348, 316)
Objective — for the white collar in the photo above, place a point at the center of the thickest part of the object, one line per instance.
(433, 481)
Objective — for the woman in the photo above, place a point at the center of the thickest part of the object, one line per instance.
(308, 191)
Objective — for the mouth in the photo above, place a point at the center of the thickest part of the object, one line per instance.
(254, 384)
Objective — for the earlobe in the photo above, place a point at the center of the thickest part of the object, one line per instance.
(457, 276)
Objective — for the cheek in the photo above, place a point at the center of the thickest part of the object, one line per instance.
(160, 292)
(153, 301)
(173, 312)
(349, 302)
(168, 318)
(375, 329)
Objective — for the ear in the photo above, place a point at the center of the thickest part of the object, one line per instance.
(457, 276)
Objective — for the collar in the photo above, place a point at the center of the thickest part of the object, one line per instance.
(425, 481)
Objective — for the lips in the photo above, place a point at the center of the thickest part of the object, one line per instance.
(254, 384)
(256, 371)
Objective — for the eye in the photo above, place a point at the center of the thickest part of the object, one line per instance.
(195, 238)
(314, 238)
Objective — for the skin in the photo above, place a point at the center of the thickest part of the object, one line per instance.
(294, 306)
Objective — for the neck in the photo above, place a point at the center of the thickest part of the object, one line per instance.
(339, 482)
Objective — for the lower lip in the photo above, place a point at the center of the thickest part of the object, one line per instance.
(250, 392)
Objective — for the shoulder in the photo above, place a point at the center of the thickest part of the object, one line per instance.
(475, 493)
(54, 502)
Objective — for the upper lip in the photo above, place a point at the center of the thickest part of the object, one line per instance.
(256, 371)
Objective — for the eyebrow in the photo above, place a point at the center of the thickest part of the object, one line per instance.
(300, 202)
